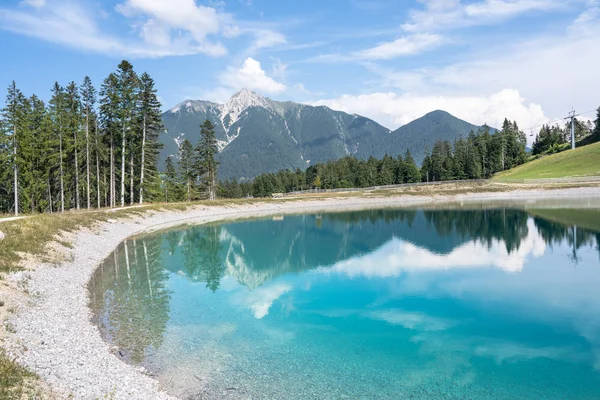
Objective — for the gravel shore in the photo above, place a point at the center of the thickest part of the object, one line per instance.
(53, 335)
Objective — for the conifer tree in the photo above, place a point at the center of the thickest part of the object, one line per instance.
(206, 166)
(151, 122)
(411, 171)
(88, 98)
(109, 111)
(57, 114)
(186, 166)
(13, 115)
(73, 107)
(127, 83)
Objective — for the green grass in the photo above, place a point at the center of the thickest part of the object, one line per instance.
(12, 378)
(583, 218)
(581, 162)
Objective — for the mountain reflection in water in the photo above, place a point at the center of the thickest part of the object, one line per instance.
(420, 271)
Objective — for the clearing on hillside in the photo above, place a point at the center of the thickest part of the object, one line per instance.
(581, 162)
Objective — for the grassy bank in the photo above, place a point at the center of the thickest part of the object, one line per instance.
(581, 162)
(583, 218)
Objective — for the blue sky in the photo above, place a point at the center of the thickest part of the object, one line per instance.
(393, 61)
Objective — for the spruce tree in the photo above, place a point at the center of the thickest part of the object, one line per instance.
(57, 114)
(73, 107)
(206, 166)
(88, 98)
(127, 83)
(14, 114)
(186, 166)
(411, 171)
(109, 112)
(151, 123)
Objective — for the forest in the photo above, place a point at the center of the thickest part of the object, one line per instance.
(86, 148)
(478, 156)
(91, 148)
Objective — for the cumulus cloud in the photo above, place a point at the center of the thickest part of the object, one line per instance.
(251, 76)
(393, 110)
(398, 256)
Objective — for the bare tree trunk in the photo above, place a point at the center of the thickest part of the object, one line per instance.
(16, 170)
(50, 194)
(87, 156)
(76, 172)
(97, 166)
(62, 175)
(112, 171)
(131, 195)
(123, 143)
(143, 166)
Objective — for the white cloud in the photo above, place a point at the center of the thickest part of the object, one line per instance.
(411, 320)
(451, 14)
(34, 3)
(398, 256)
(251, 76)
(393, 110)
(165, 29)
(403, 46)
(259, 301)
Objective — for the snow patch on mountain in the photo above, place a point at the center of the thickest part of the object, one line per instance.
(194, 106)
(179, 139)
(221, 144)
(239, 103)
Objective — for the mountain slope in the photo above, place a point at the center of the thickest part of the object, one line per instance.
(422, 133)
(256, 134)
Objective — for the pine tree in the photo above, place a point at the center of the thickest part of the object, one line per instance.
(151, 122)
(127, 83)
(73, 107)
(57, 114)
(186, 166)
(13, 114)
(109, 111)
(88, 98)
(205, 165)
(172, 186)
(411, 171)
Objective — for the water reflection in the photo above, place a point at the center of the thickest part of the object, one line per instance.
(476, 303)
(129, 298)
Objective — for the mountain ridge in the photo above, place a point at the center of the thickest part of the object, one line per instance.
(256, 134)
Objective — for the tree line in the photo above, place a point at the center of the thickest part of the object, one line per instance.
(85, 148)
(479, 156)
(554, 138)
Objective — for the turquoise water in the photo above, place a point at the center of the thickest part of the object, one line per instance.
(382, 304)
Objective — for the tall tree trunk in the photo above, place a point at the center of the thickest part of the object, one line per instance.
(97, 166)
(76, 172)
(123, 142)
(112, 171)
(50, 194)
(16, 170)
(87, 156)
(131, 195)
(143, 165)
(62, 175)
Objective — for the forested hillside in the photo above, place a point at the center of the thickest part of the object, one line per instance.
(86, 148)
